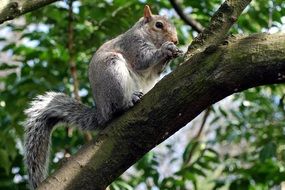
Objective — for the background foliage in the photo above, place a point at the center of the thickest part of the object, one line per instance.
(245, 148)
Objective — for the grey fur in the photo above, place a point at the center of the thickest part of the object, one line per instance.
(120, 72)
(45, 112)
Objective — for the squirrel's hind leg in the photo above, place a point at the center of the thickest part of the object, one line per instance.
(115, 89)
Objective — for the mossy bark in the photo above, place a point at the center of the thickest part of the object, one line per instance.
(219, 26)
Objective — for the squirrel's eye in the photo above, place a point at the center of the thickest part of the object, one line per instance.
(159, 25)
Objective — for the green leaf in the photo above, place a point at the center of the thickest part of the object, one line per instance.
(268, 151)
(5, 162)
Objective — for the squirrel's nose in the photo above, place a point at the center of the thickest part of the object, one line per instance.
(175, 41)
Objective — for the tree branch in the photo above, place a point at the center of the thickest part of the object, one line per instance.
(72, 64)
(71, 52)
(204, 79)
(186, 18)
(10, 9)
(198, 135)
(220, 25)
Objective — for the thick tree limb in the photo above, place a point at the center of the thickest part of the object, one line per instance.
(206, 78)
(220, 25)
(186, 18)
(10, 9)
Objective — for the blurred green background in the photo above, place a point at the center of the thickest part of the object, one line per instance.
(241, 145)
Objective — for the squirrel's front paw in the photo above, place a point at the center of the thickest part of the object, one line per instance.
(171, 50)
(136, 97)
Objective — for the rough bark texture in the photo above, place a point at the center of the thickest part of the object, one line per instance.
(220, 25)
(9, 9)
(206, 78)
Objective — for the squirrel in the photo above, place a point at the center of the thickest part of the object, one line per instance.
(120, 73)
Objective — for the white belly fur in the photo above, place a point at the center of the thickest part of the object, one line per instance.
(132, 81)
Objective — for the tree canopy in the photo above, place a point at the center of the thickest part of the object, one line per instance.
(239, 146)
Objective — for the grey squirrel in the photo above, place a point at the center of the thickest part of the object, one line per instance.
(120, 72)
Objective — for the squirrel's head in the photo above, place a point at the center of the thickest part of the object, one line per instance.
(158, 28)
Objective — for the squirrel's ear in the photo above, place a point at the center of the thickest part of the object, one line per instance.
(147, 13)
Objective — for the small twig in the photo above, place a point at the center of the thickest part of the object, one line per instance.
(72, 64)
(71, 57)
(270, 10)
(71, 60)
(205, 117)
(186, 18)
(198, 135)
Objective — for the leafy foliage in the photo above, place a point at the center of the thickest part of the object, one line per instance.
(40, 63)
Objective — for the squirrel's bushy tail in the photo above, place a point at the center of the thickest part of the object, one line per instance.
(45, 112)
